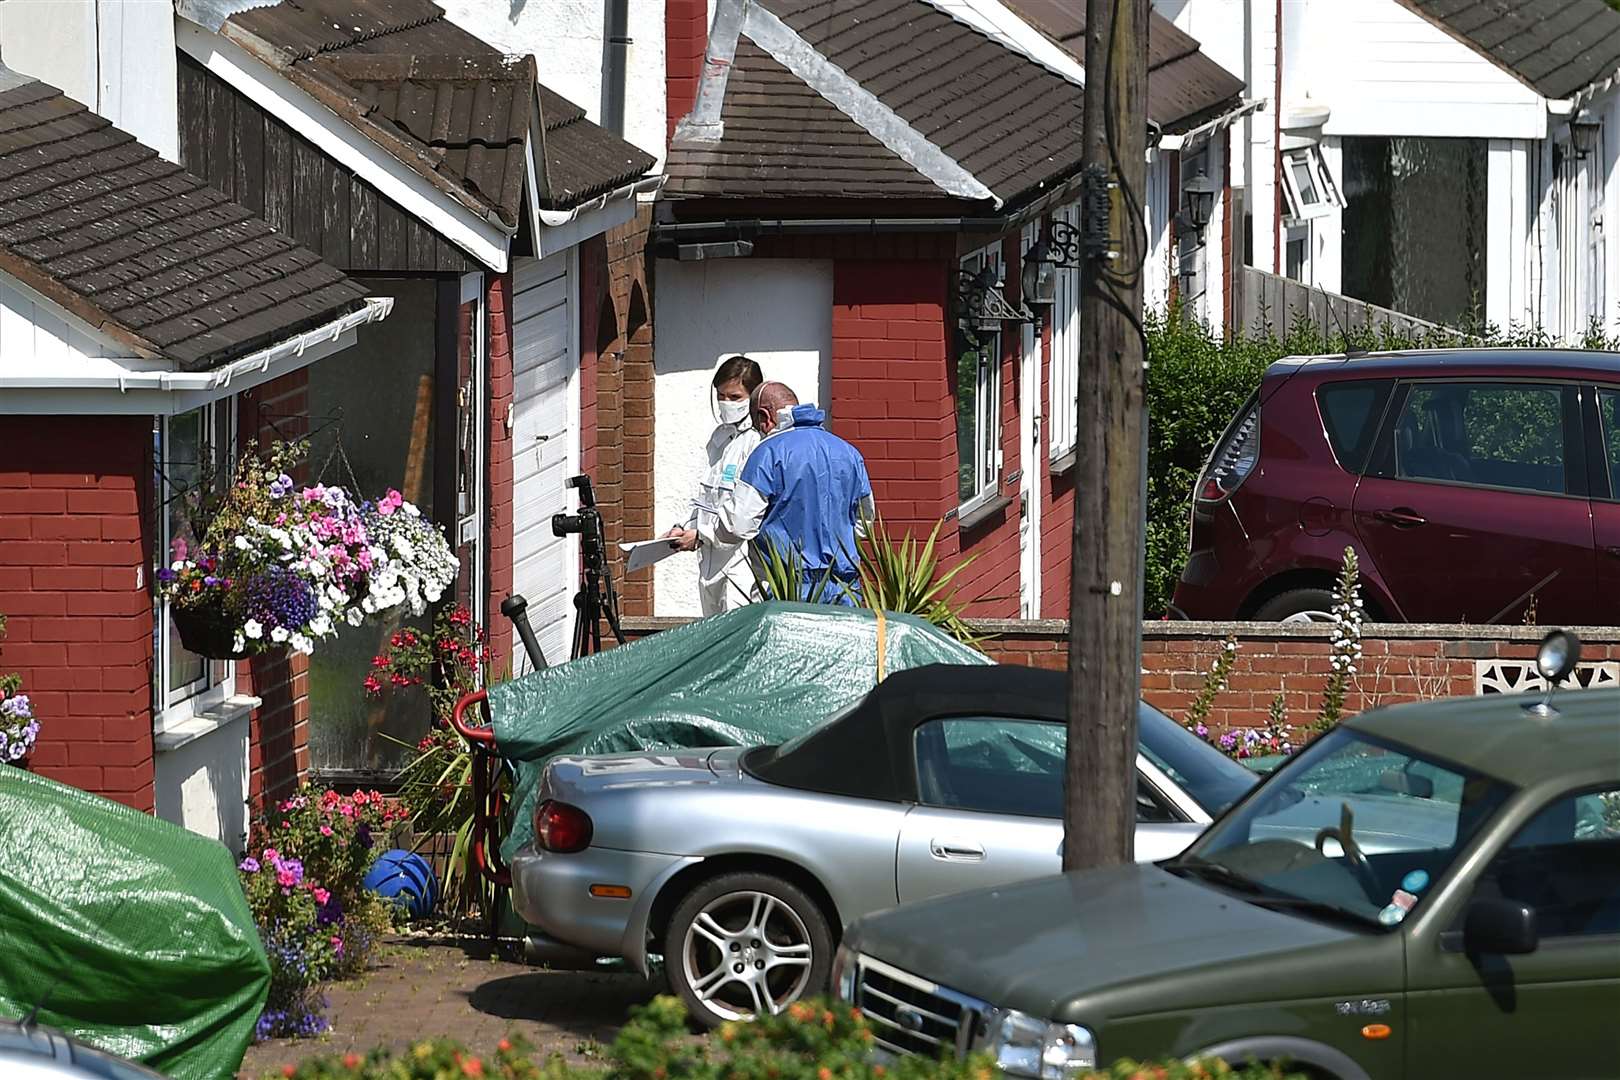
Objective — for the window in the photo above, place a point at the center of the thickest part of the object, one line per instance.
(1297, 253)
(1407, 815)
(1566, 865)
(992, 764)
(1350, 415)
(1415, 221)
(189, 450)
(1501, 435)
(978, 401)
(1308, 188)
(1609, 417)
(1062, 431)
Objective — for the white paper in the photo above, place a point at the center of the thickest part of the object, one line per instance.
(646, 552)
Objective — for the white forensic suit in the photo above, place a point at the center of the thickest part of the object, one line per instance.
(725, 579)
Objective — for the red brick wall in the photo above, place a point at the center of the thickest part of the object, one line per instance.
(1401, 663)
(73, 582)
(890, 396)
(616, 391)
(498, 521)
(278, 731)
(686, 35)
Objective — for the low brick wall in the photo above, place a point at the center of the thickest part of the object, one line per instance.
(1401, 662)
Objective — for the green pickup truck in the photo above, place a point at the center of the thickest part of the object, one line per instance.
(1429, 890)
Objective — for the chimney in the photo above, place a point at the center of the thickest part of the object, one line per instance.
(686, 37)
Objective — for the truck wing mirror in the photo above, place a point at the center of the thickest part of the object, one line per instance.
(1504, 927)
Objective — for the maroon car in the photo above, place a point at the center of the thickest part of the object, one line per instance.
(1473, 484)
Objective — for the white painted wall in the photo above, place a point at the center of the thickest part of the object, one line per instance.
(203, 784)
(1385, 70)
(566, 37)
(1508, 274)
(778, 311)
(37, 335)
(1156, 267)
(117, 58)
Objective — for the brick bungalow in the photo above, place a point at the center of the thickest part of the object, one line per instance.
(132, 296)
(839, 177)
(413, 154)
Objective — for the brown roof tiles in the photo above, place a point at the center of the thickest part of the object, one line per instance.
(141, 249)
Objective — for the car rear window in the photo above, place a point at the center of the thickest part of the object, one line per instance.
(1350, 414)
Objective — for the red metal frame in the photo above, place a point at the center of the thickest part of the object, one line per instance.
(489, 805)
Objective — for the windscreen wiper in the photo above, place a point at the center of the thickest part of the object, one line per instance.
(1314, 907)
(1212, 871)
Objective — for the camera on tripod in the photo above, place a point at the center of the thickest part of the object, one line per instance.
(588, 522)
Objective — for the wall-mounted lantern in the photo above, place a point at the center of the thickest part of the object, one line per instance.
(1198, 196)
(980, 304)
(1584, 131)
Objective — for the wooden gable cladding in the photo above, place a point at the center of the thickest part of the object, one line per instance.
(261, 163)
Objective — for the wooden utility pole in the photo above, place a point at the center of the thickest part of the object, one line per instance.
(1105, 595)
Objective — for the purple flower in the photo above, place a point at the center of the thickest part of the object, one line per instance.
(249, 865)
(362, 836)
(166, 575)
(281, 486)
(210, 579)
(279, 598)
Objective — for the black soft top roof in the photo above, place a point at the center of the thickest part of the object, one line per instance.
(865, 753)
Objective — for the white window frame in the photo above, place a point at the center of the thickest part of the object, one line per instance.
(174, 705)
(987, 452)
(1328, 200)
(470, 526)
(1596, 166)
(1062, 423)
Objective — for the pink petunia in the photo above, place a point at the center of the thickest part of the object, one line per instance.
(321, 896)
(326, 830)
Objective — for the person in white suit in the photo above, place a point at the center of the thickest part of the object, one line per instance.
(725, 577)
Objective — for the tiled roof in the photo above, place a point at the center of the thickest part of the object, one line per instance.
(782, 135)
(444, 102)
(1008, 125)
(1184, 87)
(141, 249)
(1556, 47)
(1010, 122)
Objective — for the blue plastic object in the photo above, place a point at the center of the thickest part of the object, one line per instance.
(405, 878)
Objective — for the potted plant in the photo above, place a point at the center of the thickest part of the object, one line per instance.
(279, 565)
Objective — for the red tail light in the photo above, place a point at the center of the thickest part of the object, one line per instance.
(1234, 457)
(561, 828)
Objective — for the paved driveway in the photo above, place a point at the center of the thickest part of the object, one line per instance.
(420, 989)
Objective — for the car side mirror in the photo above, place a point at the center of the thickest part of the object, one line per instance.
(1401, 782)
(1504, 927)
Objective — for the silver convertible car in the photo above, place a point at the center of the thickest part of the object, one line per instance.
(741, 867)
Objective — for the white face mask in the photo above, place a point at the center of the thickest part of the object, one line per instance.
(733, 412)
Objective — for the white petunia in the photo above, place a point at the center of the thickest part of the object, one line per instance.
(354, 616)
(242, 543)
(253, 628)
(279, 634)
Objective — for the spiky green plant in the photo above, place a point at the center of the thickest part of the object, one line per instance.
(896, 575)
(903, 576)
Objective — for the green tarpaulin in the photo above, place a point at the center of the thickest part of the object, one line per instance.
(127, 932)
(757, 675)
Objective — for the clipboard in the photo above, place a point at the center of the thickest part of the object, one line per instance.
(643, 553)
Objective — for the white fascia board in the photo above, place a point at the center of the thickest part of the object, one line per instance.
(994, 20)
(125, 387)
(339, 140)
(1454, 120)
(563, 229)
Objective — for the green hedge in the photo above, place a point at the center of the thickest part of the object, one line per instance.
(810, 1041)
(1195, 385)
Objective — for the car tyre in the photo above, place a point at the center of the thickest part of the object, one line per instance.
(1297, 605)
(740, 943)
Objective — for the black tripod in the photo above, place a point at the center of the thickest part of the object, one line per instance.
(595, 600)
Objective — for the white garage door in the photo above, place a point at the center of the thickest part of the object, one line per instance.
(545, 446)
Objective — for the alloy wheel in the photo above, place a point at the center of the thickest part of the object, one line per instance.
(747, 954)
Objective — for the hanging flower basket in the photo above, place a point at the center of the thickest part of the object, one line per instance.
(208, 633)
(275, 565)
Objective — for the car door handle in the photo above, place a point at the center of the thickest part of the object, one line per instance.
(956, 850)
(1401, 517)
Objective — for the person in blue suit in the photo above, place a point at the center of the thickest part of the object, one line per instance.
(804, 492)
